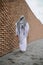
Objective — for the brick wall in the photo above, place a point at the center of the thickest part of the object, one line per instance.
(10, 11)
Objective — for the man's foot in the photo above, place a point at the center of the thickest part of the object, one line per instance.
(22, 51)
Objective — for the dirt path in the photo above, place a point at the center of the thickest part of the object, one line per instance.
(33, 55)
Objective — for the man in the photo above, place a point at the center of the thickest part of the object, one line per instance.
(22, 29)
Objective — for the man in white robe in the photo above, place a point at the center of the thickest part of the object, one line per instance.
(22, 29)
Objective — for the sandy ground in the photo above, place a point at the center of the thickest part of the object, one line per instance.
(33, 55)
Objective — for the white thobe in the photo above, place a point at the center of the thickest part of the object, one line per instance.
(23, 37)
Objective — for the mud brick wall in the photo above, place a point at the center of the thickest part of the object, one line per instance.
(10, 11)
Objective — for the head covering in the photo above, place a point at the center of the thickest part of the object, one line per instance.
(22, 19)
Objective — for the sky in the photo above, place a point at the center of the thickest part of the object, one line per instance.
(37, 8)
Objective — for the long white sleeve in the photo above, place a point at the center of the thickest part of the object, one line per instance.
(26, 29)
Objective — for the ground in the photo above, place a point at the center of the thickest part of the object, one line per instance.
(32, 56)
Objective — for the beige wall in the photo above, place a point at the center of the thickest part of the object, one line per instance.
(10, 12)
(36, 28)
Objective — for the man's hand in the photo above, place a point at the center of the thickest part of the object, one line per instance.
(17, 35)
